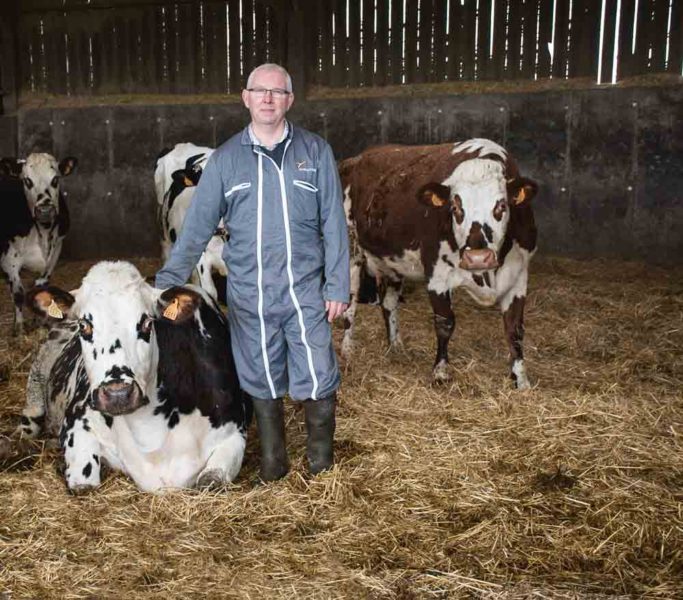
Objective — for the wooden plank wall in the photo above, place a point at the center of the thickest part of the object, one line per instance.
(77, 47)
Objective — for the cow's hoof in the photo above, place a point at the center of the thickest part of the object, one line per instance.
(80, 489)
(396, 347)
(211, 479)
(441, 374)
(522, 384)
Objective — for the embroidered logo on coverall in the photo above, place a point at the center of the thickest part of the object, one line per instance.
(301, 165)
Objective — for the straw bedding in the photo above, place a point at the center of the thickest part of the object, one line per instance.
(469, 490)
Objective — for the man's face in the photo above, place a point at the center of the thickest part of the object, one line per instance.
(268, 109)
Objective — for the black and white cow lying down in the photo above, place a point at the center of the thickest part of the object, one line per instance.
(34, 221)
(176, 174)
(139, 378)
(458, 215)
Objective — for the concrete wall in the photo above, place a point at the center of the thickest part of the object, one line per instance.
(609, 161)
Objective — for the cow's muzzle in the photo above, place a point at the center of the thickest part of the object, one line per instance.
(478, 260)
(118, 398)
(45, 214)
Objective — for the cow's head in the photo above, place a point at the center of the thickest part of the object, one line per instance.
(190, 175)
(116, 310)
(480, 200)
(40, 175)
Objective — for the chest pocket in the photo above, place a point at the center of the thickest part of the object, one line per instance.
(238, 203)
(304, 203)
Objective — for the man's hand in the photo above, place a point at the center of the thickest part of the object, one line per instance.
(334, 309)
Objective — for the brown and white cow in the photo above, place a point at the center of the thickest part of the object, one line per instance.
(456, 215)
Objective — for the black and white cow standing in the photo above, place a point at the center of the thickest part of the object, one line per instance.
(139, 378)
(456, 215)
(34, 221)
(176, 175)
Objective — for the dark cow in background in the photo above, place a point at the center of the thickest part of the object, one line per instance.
(34, 221)
(457, 215)
(176, 175)
(139, 378)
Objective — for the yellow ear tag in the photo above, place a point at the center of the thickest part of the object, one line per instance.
(171, 312)
(436, 201)
(54, 311)
(188, 182)
(520, 197)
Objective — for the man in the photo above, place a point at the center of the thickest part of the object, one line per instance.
(277, 189)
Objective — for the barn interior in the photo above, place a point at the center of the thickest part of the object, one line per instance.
(470, 489)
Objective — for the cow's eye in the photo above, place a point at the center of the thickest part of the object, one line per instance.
(458, 212)
(55, 181)
(28, 183)
(499, 209)
(85, 328)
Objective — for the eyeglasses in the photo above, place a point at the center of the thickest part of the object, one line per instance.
(275, 92)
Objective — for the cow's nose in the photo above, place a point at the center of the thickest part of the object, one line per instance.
(478, 260)
(45, 213)
(118, 398)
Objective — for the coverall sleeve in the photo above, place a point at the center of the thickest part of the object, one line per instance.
(200, 222)
(334, 229)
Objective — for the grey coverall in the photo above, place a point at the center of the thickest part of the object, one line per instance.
(287, 253)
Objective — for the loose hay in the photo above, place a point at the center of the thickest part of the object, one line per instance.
(573, 489)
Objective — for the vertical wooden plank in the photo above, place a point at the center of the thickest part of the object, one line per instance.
(560, 53)
(396, 50)
(280, 28)
(657, 35)
(326, 41)
(608, 35)
(382, 43)
(467, 48)
(296, 49)
(354, 44)
(55, 48)
(625, 59)
(515, 28)
(497, 61)
(484, 40)
(261, 34)
(74, 52)
(368, 42)
(27, 55)
(439, 52)
(9, 22)
(340, 51)
(585, 38)
(641, 55)
(410, 56)
(234, 47)
(151, 71)
(215, 46)
(529, 44)
(248, 49)
(675, 61)
(454, 35)
(188, 45)
(424, 34)
(545, 29)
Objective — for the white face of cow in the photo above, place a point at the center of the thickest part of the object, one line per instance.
(114, 308)
(480, 212)
(41, 175)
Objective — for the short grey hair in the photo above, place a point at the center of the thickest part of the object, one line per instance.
(271, 67)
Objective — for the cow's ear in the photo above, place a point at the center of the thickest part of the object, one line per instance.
(182, 178)
(10, 167)
(177, 304)
(521, 190)
(67, 165)
(51, 302)
(434, 195)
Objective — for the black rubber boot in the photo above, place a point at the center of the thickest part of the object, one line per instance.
(320, 424)
(270, 420)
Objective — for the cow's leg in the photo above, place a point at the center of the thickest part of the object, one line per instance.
(513, 321)
(33, 415)
(390, 292)
(225, 461)
(51, 264)
(444, 325)
(16, 288)
(82, 454)
(350, 313)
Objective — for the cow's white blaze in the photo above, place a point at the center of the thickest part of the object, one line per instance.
(481, 145)
(480, 183)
